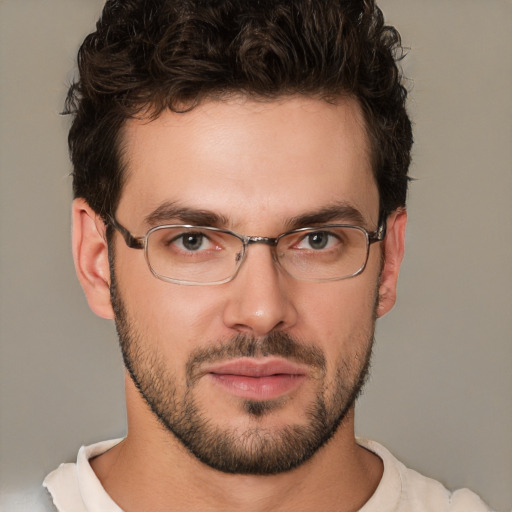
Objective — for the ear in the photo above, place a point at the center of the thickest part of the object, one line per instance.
(90, 253)
(393, 247)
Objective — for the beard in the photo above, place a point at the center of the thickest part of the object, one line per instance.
(255, 449)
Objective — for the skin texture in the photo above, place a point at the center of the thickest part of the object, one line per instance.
(257, 166)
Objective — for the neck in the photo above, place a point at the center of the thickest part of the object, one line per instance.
(151, 470)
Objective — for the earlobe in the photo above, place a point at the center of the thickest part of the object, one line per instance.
(393, 252)
(90, 254)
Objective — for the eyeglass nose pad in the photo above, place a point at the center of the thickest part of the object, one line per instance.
(275, 256)
(271, 243)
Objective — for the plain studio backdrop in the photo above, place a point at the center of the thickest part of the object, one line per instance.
(440, 393)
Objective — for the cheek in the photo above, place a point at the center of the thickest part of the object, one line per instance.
(173, 318)
(176, 319)
(340, 318)
(346, 327)
(340, 307)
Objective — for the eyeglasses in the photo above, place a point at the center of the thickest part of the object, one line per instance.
(198, 255)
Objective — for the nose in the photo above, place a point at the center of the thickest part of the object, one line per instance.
(259, 298)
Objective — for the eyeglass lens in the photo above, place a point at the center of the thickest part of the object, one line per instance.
(206, 255)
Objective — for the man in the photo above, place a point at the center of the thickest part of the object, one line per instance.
(240, 173)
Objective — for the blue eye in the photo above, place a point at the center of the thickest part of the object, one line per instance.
(317, 241)
(192, 241)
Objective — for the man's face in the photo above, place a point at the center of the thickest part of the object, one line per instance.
(254, 375)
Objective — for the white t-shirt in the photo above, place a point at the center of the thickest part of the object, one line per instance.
(75, 487)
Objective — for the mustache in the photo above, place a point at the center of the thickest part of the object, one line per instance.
(243, 346)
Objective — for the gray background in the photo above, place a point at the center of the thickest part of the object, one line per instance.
(441, 389)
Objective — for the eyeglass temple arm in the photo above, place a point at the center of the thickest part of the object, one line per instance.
(380, 233)
(131, 241)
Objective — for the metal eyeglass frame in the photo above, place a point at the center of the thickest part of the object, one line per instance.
(140, 242)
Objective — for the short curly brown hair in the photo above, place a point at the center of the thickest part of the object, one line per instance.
(152, 55)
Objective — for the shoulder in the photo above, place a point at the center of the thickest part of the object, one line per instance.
(404, 490)
(63, 486)
(425, 494)
(74, 487)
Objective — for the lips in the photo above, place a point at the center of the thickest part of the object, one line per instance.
(255, 379)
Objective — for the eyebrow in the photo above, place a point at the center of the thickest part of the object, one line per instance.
(171, 212)
(339, 212)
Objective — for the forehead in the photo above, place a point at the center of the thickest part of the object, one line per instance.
(244, 159)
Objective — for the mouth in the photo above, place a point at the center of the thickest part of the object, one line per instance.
(257, 379)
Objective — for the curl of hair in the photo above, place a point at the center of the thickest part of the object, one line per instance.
(152, 55)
